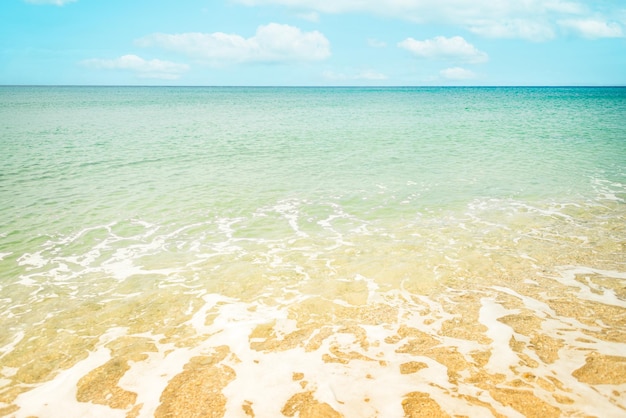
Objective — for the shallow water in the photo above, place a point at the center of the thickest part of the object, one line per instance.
(321, 252)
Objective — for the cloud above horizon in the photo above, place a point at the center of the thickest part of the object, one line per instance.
(441, 48)
(457, 74)
(53, 2)
(271, 43)
(315, 42)
(155, 68)
(535, 20)
(370, 75)
(593, 28)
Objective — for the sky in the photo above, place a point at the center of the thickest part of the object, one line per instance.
(313, 42)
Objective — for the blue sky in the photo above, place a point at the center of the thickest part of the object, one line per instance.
(313, 42)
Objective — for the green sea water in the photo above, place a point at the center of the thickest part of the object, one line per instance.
(317, 232)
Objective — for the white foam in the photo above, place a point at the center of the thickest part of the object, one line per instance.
(538, 307)
(32, 260)
(373, 294)
(149, 378)
(9, 371)
(57, 397)
(122, 269)
(19, 336)
(568, 275)
(265, 379)
(501, 354)
(289, 209)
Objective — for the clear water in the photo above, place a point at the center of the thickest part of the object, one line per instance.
(303, 241)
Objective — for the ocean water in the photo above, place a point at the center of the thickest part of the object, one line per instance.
(357, 252)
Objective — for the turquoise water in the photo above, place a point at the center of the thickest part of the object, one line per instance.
(171, 221)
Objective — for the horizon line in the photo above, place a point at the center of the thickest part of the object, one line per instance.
(325, 86)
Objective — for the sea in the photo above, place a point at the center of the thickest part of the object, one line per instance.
(312, 252)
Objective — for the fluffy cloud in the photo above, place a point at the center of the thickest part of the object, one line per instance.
(440, 47)
(457, 74)
(143, 68)
(55, 2)
(593, 28)
(271, 43)
(528, 19)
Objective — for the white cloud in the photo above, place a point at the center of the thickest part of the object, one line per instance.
(534, 20)
(143, 68)
(428, 9)
(375, 43)
(440, 47)
(369, 75)
(310, 16)
(55, 2)
(593, 28)
(457, 73)
(513, 28)
(271, 43)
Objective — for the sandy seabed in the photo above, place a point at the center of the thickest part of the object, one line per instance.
(548, 347)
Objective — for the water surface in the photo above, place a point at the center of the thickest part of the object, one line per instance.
(368, 252)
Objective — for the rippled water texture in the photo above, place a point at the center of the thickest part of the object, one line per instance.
(312, 252)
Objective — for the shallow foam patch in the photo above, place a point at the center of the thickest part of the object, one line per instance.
(388, 357)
